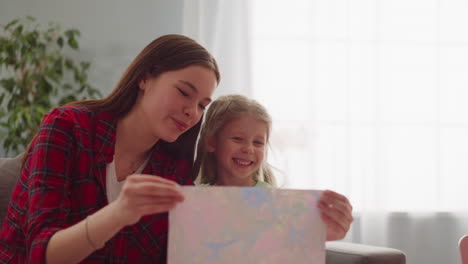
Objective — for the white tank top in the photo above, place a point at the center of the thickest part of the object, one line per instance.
(113, 186)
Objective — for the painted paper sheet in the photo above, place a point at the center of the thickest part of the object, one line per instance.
(246, 225)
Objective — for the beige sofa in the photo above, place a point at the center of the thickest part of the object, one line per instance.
(337, 252)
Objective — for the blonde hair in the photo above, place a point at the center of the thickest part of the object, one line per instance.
(221, 112)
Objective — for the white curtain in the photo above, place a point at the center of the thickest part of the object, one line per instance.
(369, 98)
(223, 28)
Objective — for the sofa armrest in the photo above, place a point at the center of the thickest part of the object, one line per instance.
(352, 253)
(9, 175)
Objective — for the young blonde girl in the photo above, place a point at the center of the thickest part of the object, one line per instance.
(222, 112)
(231, 151)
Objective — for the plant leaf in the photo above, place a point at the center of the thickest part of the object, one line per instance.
(73, 43)
(12, 23)
(60, 42)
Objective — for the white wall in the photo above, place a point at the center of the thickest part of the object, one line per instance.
(112, 31)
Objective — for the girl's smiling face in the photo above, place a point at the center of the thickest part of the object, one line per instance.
(239, 148)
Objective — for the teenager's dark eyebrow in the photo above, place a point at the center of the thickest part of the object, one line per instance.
(189, 84)
(194, 88)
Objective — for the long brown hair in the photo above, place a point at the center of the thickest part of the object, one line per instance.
(221, 112)
(166, 53)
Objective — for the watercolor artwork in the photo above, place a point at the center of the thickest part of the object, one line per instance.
(246, 225)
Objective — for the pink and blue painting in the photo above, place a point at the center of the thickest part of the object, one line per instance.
(246, 225)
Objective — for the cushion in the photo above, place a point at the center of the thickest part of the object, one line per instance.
(351, 253)
(9, 175)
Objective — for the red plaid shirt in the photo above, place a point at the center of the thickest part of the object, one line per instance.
(63, 181)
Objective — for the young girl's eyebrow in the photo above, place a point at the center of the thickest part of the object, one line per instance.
(194, 88)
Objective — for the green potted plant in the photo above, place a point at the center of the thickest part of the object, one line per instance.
(36, 74)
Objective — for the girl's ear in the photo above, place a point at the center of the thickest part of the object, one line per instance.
(142, 83)
(210, 144)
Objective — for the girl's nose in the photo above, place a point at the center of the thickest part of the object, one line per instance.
(247, 148)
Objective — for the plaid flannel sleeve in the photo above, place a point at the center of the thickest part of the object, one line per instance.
(48, 165)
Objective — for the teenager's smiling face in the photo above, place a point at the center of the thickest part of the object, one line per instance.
(239, 149)
(174, 102)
